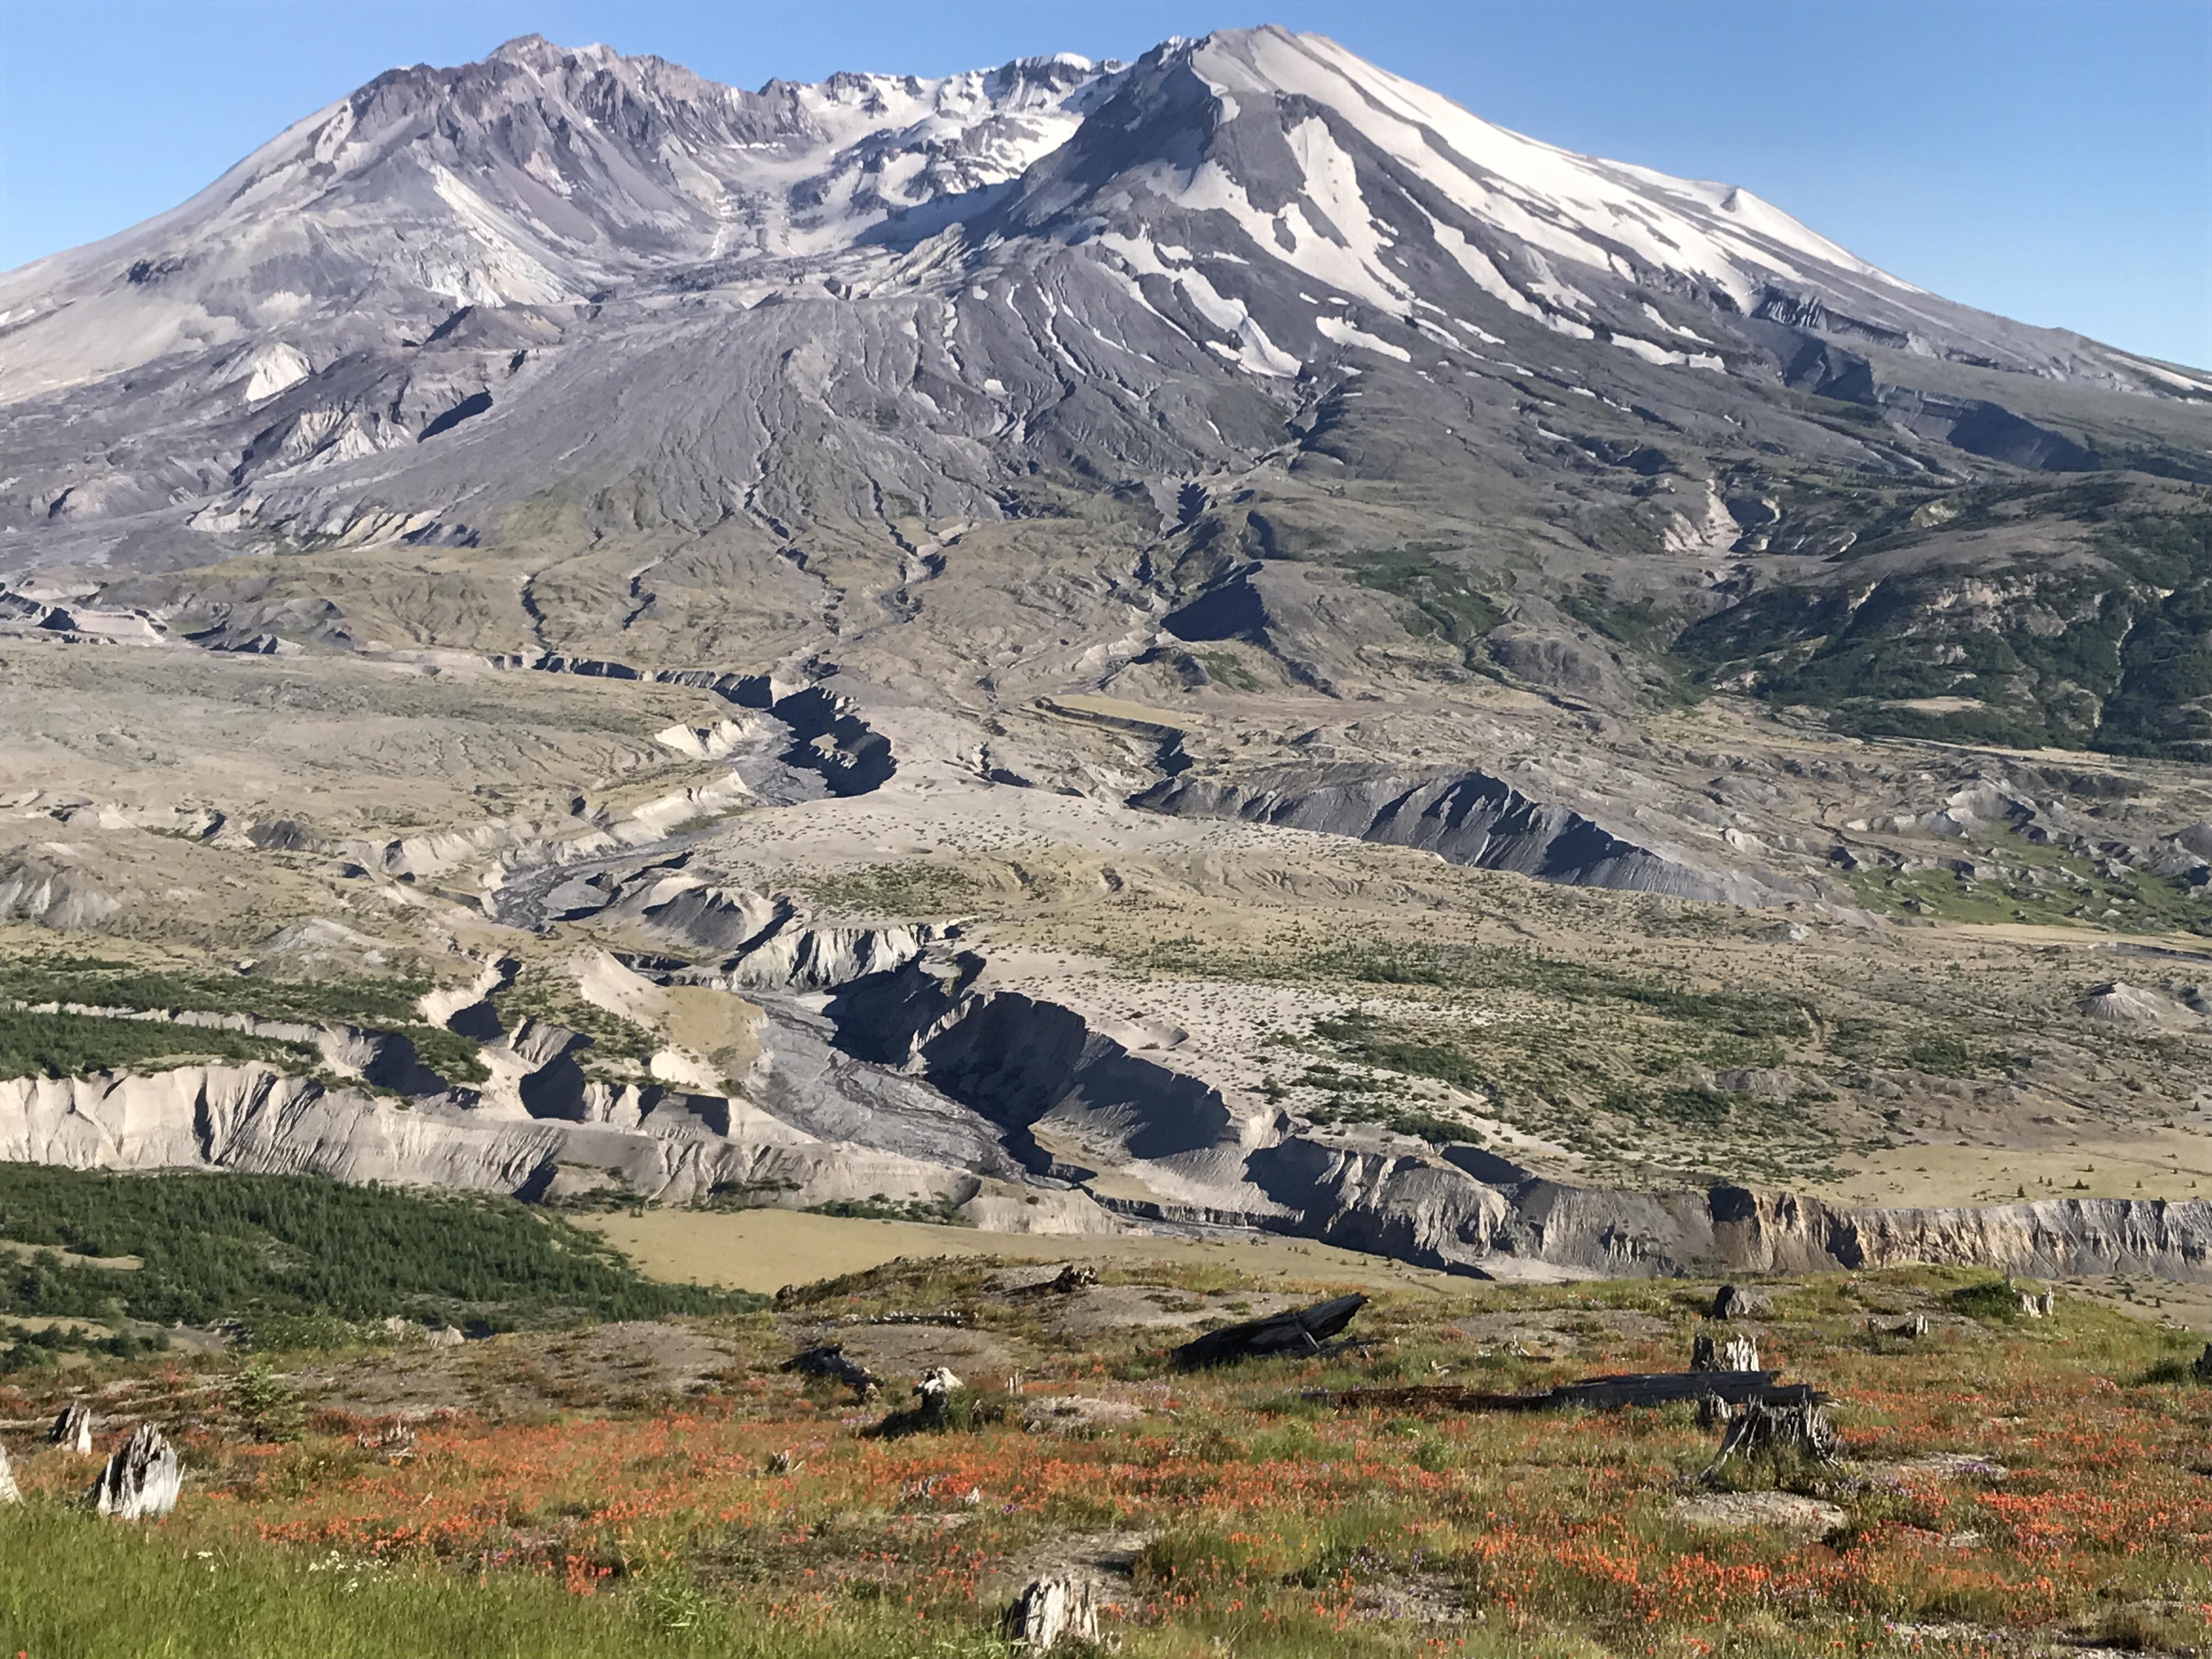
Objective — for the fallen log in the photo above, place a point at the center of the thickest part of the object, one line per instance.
(1299, 1331)
(830, 1360)
(1598, 1392)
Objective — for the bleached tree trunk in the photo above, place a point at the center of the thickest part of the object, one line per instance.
(141, 1481)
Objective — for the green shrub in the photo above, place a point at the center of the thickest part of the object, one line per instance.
(259, 1246)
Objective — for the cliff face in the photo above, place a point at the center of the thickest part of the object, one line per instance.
(660, 1144)
(650, 1143)
(1736, 1228)
(1468, 818)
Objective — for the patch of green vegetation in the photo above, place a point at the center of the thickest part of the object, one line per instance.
(897, 889)
(544, 993)
(382, 1005)
(1639, 625)
(2128, 670)
(76, 1045)
(266, 1404)
(1588, 1057)
(221, 1246)
(1366, 1039)
(30, 1348)
(1447, 604)
(98, 982)
(1992, 1301)
(82, 1586)
(1489, 967)
(2039, 885)
(1222, 668)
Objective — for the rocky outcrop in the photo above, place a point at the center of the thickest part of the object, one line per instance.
(1736, 1228)
(823, 731)
(1465, 817)
(765, 939)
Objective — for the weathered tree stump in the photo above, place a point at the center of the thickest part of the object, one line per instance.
(72, 1430)
(141, 1481)
(1915, 1327)
(1715, 1413)
(936, 1388)
(1802, 1428)
(9, 1491)
(1741, 1301)
(1052, 1611)
(2203, 1365)
(1075, 1276)
(1738, 1353)
(393, 1441)
(830, 1360)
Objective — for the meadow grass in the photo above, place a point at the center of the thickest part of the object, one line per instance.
(2027, 1483)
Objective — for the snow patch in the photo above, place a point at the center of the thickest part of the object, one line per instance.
(1345, 334)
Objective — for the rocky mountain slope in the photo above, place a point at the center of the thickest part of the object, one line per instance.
(1207, 641)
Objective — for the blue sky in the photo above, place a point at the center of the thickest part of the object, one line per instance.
(2051, 160)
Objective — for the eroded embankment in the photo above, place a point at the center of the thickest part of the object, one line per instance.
(660, 1144)
(1465, 817)
(1046, 1076)
(892, 1063)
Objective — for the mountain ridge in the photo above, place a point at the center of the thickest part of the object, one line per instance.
(1329, 315)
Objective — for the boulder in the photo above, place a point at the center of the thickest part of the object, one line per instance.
(141, 1481)
(1736, 1511)
(1741, 1301)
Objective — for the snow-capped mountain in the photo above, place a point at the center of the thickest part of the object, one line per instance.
(1294, 304)
(535, 178)
(541, 177)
